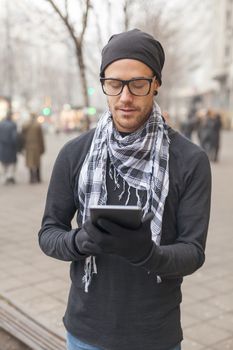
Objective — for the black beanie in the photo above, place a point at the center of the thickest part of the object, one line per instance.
(136, 45)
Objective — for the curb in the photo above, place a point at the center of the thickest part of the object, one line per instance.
(30, 332)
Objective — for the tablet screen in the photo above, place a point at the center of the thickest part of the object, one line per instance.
(127, 216)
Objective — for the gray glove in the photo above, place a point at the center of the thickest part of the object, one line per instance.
(80, 238)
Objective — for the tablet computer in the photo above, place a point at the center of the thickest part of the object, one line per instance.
(129, 216)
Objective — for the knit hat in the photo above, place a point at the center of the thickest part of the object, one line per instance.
(136, 45)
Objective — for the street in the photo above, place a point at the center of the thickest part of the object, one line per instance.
(39, 285)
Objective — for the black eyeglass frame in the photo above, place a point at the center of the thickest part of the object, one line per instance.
(126, 82)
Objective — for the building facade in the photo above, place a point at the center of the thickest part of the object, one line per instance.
(223, 55)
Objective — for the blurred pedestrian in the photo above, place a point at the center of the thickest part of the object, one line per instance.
(189, 125)
(8, 148)
(209, 133)
(215, 138)
(34, 147)
(126, 283)
(201, 116)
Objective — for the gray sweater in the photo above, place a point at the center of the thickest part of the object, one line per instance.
(125, 308)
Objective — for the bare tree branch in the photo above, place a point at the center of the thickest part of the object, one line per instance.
(97, 22)
(66, 9)
(126, 17)
(84, 21)
(126, 10)
(109, 7)
(65, 20)
(42, 21)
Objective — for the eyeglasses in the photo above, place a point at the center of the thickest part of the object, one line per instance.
(136, 86)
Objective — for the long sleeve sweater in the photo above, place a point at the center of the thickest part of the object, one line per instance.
(125, 308)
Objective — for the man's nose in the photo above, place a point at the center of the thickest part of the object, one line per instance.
(126, 94)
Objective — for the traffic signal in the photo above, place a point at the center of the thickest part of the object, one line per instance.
(91, 110)
(46, 111)
(90, 91)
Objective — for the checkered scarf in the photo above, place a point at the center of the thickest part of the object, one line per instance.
(140, 159)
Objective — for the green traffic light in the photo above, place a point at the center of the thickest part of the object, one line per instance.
(46, 111)
(90, 91)
(91, 110)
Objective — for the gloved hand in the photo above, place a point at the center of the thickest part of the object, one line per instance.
(111, 238)
(80, 238)
(83, 242)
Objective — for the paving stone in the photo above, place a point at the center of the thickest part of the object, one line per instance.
(3, 274)
(221, 287)
(188, 344)
(203, 311)
(34, 278)
(62, 295)
(225, 345)
(10, 283)
(52, 285)
(198, 291)
(223, 301)
(23, 270)
(206, 335)
(41, 304)
(223, 321)
(187, 320)
(25, 293)
(187, 299)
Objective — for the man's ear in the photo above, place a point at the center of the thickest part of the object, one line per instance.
(156, 87)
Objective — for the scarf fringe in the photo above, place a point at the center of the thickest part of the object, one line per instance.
(90, 268)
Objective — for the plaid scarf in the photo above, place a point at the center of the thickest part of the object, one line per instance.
(140, 159)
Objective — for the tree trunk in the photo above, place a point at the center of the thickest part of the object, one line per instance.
(81, 65)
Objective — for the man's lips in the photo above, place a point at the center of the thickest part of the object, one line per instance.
(127, 110)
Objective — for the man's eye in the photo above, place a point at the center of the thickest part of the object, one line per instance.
(114, 84)
(139, 84)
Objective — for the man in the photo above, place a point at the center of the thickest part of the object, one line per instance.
(8, 149)
(34, 147)
(210, 128)
(125, 292)
(216, 136)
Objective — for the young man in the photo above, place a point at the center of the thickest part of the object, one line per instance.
(125, 292)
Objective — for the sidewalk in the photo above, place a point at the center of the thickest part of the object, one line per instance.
(39, 285)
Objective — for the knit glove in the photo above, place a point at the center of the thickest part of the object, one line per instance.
(81, 238)
(111, 238)
(83, 242)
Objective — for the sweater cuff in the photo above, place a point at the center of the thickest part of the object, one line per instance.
(151, 263)
(78, 253)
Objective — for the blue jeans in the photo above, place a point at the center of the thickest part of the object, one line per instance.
(73, 343)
